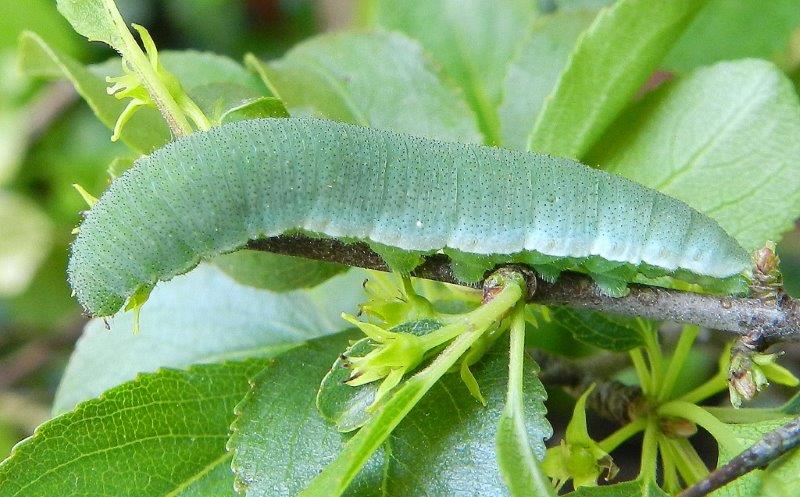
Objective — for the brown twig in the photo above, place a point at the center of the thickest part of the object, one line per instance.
(777, 321)
(771, 446)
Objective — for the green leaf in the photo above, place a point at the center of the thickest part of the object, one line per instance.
(203, 316)
(381, 80)
(747, 434)
(281, 442)
(597, 329)
(38, 15)
(226, 102)
(473, 40)
(254, 108)
(143, 133)
(612, 60)
(27, 235)
(782, 477)
(197, 69)
(162, 434)
(627, 489)
(534, 72)
(521, 471)
(732, 129)
(97, 20)
(716, 33)
(275, 272)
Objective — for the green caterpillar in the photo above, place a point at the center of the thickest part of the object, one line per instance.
(212, 192)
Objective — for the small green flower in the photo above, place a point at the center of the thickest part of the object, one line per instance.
(394, 355)
(130, 85)
(578, 457)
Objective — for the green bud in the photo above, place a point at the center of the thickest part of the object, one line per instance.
(750, 372)
(578, 457)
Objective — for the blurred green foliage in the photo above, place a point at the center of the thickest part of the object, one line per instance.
(50, 139)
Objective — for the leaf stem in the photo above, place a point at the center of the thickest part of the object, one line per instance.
(668, 460)
(133, 54)
(698, 415)
(654, 355)
(614, 440)
(649, 460)
(456, 327)
(688, 336)
(747, 415)
(637, 358)
(689, 464)
(518, 466)
(713, 386)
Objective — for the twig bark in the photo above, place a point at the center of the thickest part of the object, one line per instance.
(770, 447)
(775, 321)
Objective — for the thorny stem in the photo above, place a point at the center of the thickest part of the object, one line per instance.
(779, 321)
(771, 446)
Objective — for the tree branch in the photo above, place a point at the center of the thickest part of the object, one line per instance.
(771, 446)
(774, 321)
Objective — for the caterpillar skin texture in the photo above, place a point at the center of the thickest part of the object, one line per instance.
(211, 192)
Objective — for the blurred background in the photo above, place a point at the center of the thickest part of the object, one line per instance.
(49, 139)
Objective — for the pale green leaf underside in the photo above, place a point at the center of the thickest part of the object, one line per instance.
(163, 434)
(97, 20)
(189, 202)
(611, 61)
(281, 442)
(380, 80)
(725, 140)
(716, 33)
(275, 272)
(203, 316)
